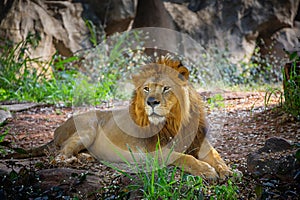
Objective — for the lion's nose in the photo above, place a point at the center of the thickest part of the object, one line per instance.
(151, 101)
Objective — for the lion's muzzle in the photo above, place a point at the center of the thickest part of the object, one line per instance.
(152, 101)
(152, 109)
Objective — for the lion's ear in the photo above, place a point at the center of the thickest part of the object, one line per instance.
(183, 73)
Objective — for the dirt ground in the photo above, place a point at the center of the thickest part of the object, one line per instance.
(243, 126)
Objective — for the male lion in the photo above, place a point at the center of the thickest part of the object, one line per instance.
(164, 109)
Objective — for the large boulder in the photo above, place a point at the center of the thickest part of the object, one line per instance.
(286, 39)
(275, 160)
(61, 25)
(58, 23)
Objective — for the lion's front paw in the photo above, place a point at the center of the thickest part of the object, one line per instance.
(61, 158)
(210, 174)
(206, 171)
(224, 171)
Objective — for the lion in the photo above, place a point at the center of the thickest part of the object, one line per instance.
(164, 109)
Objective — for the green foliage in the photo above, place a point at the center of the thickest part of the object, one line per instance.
(216, 65)
(227, 191)
(2, 142)
(93, 32)
(276, 92)
(105, 66)
(291, 94)
(25, 79)
(60, 80)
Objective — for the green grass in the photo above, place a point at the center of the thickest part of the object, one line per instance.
(155, 180)
(20, 81)
(292, 91)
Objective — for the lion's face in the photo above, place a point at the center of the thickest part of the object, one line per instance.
(159, 98)
(161, 93)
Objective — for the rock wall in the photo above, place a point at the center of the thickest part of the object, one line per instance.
(236, 26)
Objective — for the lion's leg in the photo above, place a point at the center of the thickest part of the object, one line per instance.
(72, 146)
(69, 149)
(194, 166)
(208, 154)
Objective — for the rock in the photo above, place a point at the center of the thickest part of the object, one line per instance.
(55, 183)
(285, 39)
(233, 25)
(4, 115)
(275, 144)
(59, 25)
(69, 181)
(19, 107)
(112, 15)
(152, 14)
(275, 160)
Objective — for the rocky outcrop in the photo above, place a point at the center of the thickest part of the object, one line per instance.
(286, 38)
(275, 160)
(153, 14)
(234, 25)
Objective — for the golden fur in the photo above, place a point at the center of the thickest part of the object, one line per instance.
(164, 108)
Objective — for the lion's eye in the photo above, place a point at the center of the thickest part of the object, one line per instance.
(146, 89)
(166, 89)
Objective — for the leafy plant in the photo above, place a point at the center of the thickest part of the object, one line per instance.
(228, 191)
(291, 86)
(93, 32)
(216, 101)
(292, 90)
(215, 65)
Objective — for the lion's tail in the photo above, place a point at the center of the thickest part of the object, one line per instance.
(34, 152)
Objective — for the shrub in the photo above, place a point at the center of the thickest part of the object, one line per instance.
(291, 84)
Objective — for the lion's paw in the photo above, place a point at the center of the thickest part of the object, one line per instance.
(64, 159)
(210, 174)
(206, 171)
(224, 171)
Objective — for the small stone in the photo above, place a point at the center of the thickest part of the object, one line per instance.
(4, 115)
